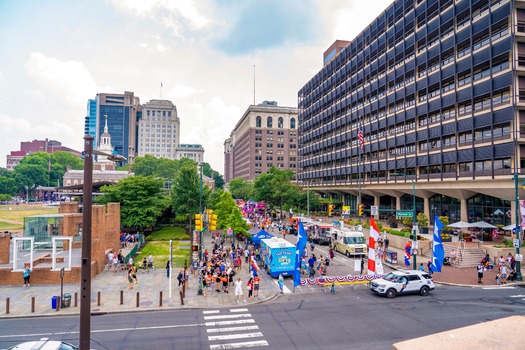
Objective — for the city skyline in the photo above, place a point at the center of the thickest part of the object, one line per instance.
(58, 55)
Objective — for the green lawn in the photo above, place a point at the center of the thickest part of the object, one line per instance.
(158, 244)
(167, 233)
(7, 226)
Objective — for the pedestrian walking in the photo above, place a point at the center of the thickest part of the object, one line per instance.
(168, 269)
(180, 278)
(504, 273)
(195, 267)
(480, 272)
(453, 257)
(281, 282)
(150, 262)
(27, 277)
(134, 274)
(238, 291)
(498, 278)
(362, 265)
(331, 254)
(130, 279)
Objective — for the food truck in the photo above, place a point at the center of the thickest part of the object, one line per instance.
(278, 256)
(348, 241)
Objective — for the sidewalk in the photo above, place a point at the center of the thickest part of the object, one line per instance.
(451, 275)
(110, 284)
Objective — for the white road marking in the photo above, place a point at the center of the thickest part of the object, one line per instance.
(235, 336)
(226, 323)
(226, 316)
(211, 311)
(517, 296)
(232, 329)
(244, 310)
(286, 290)
(249, 344)
(489, 288)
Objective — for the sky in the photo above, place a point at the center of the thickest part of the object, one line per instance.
(57, 54)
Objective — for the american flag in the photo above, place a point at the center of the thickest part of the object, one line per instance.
(361, 139)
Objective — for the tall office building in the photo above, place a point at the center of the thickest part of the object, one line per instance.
(193, 152)
(265, 136)
(90, 122)
(427, 101)
(123, 112)
(159, 129)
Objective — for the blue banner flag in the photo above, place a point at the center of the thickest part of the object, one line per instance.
(438, 253)
(299, 248)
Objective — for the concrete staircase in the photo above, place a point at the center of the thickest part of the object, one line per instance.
(471, 256)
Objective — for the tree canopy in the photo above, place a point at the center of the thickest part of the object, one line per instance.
(141, 200)
(241, 188)
(228, 214)
(276, 188)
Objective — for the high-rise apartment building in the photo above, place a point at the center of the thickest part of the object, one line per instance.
(264, 137)
(159, 129)
(90, 122)
(436, 88)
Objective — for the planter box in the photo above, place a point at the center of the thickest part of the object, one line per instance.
(423, 230)
(446, 239)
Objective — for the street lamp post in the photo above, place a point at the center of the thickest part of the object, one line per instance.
(517, 229)
(414, 218)
(199, 290)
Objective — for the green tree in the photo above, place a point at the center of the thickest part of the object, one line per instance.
(141, 201)
(228, 214)
(59, 162)
(8, 183)
(241, 188)
(185, 191)
(276, 188)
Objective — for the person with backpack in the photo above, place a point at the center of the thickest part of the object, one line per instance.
(27, 276)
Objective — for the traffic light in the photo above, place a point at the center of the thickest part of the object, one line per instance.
(198, 222)
(360, 210)
(330, 209)
(213, 222)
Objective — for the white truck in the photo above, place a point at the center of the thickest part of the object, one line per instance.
(349, 241)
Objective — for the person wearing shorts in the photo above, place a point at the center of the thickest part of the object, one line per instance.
(256, 281)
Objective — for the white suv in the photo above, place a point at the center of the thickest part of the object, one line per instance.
(403, 282)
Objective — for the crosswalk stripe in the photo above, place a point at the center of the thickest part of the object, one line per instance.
(286, 290)
(235, 336)
(239, 310)
(249, 344)
(489, 288)
(232, 329)
(211, 311)
(226, 316)
(226, 323)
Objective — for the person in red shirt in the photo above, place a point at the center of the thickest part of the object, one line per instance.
(256, 281)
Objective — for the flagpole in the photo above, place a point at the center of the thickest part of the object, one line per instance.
(359, 164)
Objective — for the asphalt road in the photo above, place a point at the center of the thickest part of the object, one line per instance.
(350, 319)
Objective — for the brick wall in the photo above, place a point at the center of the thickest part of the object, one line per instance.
(4, 248)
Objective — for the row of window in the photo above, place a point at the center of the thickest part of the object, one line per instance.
(150, 113)
(269, 122)
(163, 125)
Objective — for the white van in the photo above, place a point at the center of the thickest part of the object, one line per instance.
(348, 241)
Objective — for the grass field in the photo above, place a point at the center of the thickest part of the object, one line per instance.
(158, 244)
(19, 212)
(7, 226)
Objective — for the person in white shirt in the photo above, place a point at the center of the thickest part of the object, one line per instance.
(238, 291)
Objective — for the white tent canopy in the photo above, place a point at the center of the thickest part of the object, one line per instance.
(482, 224)
(460, 224)
(509, 227)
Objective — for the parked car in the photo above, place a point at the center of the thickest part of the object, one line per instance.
(44, 344)
(403, 282)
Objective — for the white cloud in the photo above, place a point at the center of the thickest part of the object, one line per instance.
(69, 79)
(156, 44)
(164, 9)
(181, 91)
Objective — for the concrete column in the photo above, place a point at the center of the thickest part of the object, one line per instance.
(464, 210)
(513, 212)
(376, 202)
(426, 210)
(398, 202)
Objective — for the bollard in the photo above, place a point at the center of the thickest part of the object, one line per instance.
(75, 302)
(7, 306)
(58, 303)
(181, 298)
(32, 304)
(332, 290)
(121, 297)
(160, 299)
(98, 298)
(138, 299)
(183, 290)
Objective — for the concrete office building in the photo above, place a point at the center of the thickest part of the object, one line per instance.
(159, 129)
(193, 152)
(437, 89)
(123, 112)
(265, 136)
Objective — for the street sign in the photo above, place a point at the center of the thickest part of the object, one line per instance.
(516, 243)
(404, 213)
(519, 257)
(374, 210)
(346, 210)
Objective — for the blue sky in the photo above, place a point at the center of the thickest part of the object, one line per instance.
(56, 54)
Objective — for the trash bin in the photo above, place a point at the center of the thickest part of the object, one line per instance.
(66, 301)
(54, 301)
